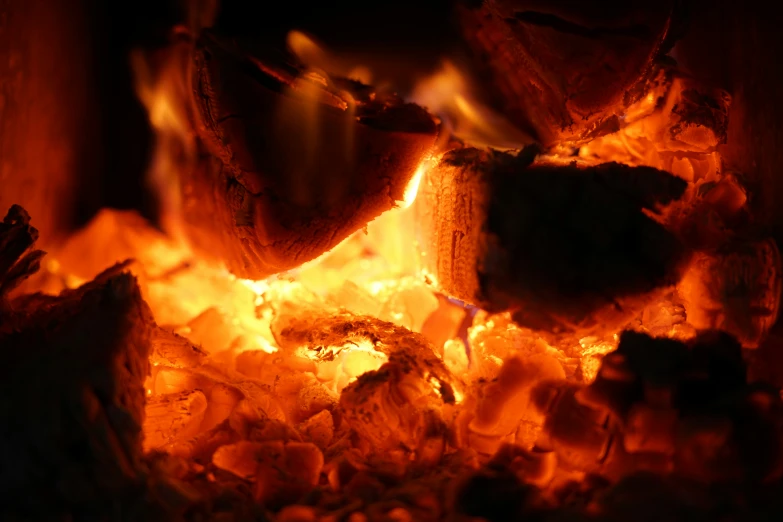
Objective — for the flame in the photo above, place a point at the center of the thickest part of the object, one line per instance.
(412, 188)
(163, 87)
(314, 55)
(448, 93)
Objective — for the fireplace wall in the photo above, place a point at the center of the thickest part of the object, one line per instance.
(73, 136)
(46, 116)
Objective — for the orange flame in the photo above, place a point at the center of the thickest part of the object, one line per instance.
(163, 87)
(315, 56)
(448, 93)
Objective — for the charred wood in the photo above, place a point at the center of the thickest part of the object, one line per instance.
(735, 288)
(74, 400)
(564, 69)
(18, 259)
(565, 248)
(304, 159)
(664, 406)
(397, 408)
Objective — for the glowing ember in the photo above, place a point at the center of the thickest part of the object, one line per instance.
(448, 93)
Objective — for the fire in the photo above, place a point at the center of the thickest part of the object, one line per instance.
(315, 56)
(163, 87)
(372, 273)
(448, 93)
(360, 344)
(412, 189)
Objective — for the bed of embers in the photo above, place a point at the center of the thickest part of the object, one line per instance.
(392, 380)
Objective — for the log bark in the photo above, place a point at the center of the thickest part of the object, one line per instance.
(566, 248)
(304, 161)
(565, 69)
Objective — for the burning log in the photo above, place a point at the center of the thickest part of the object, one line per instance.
(677, 127)
(554, 49)
(73, 370)
(18, 259)
(735, 288)
(569, 69)
(700, 118)
(566, 248)
(305, 160)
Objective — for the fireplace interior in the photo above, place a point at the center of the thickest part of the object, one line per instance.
(408, 261)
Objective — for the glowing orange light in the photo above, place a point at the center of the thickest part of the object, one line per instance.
(412, 189)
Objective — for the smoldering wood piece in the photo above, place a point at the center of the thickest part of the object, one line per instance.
(304, 160)
(324, 333)
(564, 69)
(735, 288)
(413, 425)
(18, 259)
(700, 118)
(667, 406)
(173, 417)
(566, 248)
(714, 215)
(175, 351)
(281, 471)
(73, 373)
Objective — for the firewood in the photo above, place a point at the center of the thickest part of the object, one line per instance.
(670, 407)
(370, 404)
(677, 127)
(700, 118)
(565, 248)
(398, 412)
(505, 401)
(735, 288)
(304, 160)
(172, 350)
(324, 333)
(227, 395)
(171, 417)
(279, 470)
(564, 69)
(73, 376)
(18, 259)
